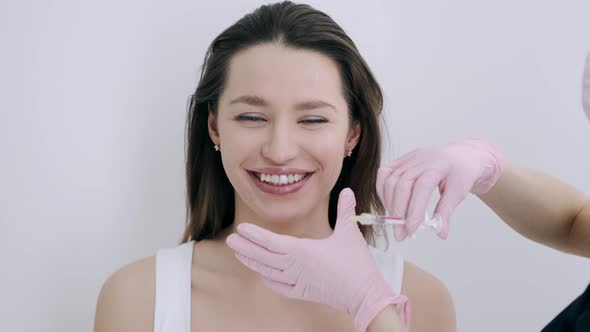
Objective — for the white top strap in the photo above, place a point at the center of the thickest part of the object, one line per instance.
(391, 264)
(173, 288)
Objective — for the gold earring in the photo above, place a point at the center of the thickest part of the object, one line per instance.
(216, 147)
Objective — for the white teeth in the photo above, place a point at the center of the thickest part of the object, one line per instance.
(282, 179)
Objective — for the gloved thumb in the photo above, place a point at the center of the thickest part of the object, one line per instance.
(346, 209)
(449, 200)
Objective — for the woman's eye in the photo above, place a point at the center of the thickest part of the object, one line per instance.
(253, 118)
(311, 121)
(249, 118)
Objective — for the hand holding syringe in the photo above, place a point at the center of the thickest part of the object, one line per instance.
(434, 223)
(406, 185)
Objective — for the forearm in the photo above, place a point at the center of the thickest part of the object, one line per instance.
(542, 208)
(387, 321)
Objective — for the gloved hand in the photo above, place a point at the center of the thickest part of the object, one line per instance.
(406, 185)
(338, 271)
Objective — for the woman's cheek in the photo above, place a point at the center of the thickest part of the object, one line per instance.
(329, 144)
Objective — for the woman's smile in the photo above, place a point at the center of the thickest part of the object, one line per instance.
(280, 182)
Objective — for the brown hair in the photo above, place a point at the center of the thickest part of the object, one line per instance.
(210, 195)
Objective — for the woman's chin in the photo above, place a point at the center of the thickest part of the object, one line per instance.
(281, 217)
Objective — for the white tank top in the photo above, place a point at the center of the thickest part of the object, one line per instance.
(173, 283)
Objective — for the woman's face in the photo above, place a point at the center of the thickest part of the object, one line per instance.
(283, 130)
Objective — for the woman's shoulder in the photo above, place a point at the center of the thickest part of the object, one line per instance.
(429, 297)
(126, 299)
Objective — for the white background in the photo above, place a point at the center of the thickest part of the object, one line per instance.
(92, 110)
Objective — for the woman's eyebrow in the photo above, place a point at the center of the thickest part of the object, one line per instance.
(302, 106)
(249, 100)
(313, 104)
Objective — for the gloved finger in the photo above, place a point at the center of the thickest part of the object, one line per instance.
(252, 250)
(382, 174)
(388, 193)
(402, 191)
(346, 209)
(410, 164)
(389, 184)
(271, 241)
(423, 189)
(444, 231)
(404, 159)
(385, 173)
(399, 232)
(265, 270)
(451, 197)
(277, 286)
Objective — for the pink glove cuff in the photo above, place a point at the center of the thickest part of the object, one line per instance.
(378, 299)
(492, 169)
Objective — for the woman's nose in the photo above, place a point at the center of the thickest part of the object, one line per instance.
(281, 144)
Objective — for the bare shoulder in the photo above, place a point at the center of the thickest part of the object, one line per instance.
(126, 300)
(432, 307)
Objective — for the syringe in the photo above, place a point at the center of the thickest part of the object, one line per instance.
(434, 223)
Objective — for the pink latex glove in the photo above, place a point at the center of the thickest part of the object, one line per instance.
(405, 186)
(338, 271)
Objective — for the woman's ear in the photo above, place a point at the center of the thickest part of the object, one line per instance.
(212, 128)
(354, 135)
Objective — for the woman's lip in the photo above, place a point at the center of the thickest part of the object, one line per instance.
(279, 171)
(279, 189)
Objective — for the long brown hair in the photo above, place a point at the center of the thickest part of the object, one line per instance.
(210, 195)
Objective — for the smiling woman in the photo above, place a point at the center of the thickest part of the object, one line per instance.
(273, 118)
(285, 116)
